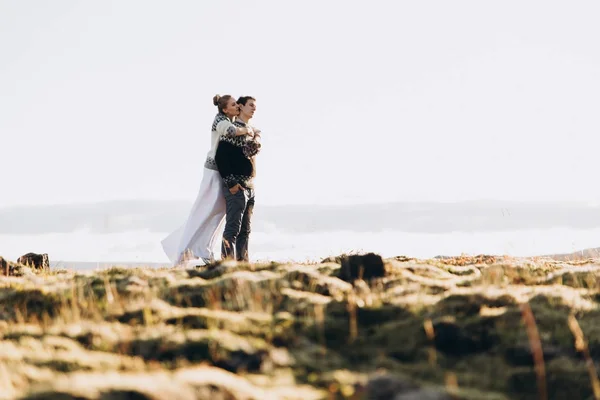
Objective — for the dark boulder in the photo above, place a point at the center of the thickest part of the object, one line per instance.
(8, 268)
(368, 266)
(4, 267)
(39, 262)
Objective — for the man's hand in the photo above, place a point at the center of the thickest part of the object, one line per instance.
(236, 188)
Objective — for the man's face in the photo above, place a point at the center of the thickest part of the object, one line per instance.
(249, 108)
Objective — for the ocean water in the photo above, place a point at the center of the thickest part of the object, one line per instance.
(143, 246)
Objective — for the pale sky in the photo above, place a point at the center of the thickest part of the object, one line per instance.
(358, 101)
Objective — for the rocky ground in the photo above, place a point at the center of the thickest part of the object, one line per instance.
(448, 328)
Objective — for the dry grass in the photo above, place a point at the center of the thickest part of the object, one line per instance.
(462, 328)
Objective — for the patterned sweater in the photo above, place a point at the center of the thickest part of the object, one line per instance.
(221, 125)
(235, 157)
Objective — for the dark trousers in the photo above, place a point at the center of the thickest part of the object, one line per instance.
(238, 217)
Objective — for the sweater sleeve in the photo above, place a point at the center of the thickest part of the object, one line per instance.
(226, 128)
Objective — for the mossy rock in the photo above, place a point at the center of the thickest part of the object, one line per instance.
(221, 268)
(223, 349)
(565, 379)
(459, 305)
(32, 304)
(238, 291)
(310, 280)
(585, 280)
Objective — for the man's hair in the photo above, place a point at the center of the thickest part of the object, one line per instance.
(244, 99)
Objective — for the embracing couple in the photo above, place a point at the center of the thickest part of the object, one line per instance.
(221, 215)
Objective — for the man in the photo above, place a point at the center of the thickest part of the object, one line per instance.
(235, 159)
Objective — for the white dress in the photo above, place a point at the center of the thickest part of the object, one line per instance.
(201, 235)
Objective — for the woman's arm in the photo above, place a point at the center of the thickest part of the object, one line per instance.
(226, 128)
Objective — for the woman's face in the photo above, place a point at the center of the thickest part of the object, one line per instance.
(232, 108)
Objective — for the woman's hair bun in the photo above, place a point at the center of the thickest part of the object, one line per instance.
(216, 99)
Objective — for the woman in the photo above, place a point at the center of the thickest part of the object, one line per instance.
(200, 236)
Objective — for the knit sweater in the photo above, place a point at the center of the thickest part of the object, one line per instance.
(222, 125)
(235, 157)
